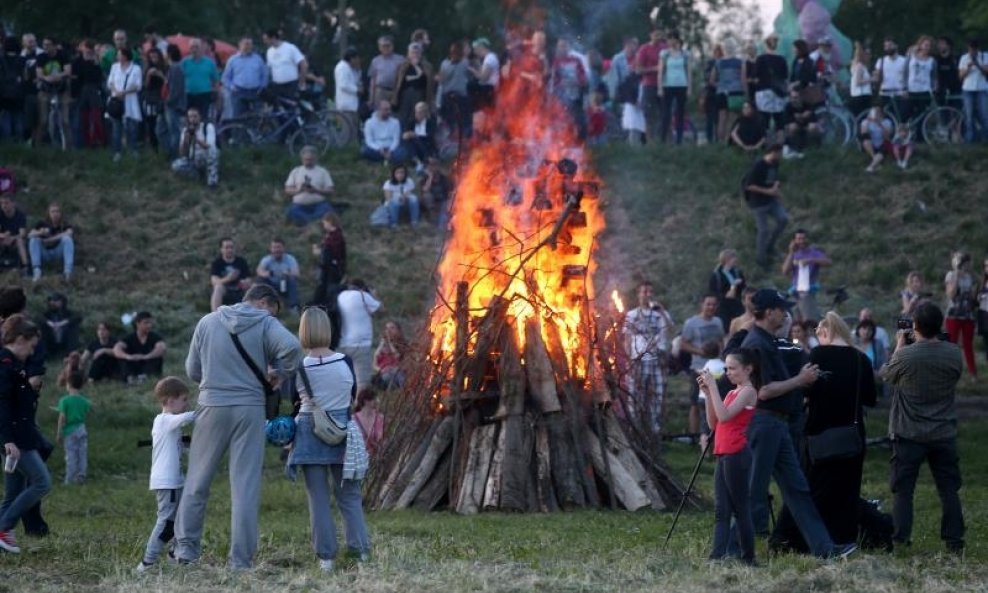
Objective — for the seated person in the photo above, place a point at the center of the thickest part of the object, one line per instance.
(229, 276)
(382, 136)
(13, 230)
(197, 151)
(801, 126)
(142, 352)
(419, 138)
(51, 239)
(308, 185)
(436, 190)
(388, 356)
(875, 136)
(399, 193)
(902, 146)
(748, 132)
(99, 356)
(279, 270)
(59, 327)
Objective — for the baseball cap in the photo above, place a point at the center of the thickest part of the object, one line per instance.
(768, 298)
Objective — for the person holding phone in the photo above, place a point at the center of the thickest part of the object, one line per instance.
(973, 70)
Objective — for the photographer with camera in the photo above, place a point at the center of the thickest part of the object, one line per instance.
(646, 331)
(197, 149)
(923, 423)
(803, 262)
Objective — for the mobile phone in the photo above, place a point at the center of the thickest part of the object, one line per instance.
(10, 464)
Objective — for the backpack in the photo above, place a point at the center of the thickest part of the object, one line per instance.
(7, 183)
(11, 79)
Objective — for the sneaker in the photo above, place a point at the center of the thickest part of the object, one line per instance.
(843, 551)
(7, 542)
(36, 276)
(326, 565)
(143, 567)
(788, 153)
(116, 157)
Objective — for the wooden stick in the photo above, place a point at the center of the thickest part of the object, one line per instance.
(437, 446)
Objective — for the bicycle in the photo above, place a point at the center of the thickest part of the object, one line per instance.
(835, 120)
(292, 119)
(938, 123)
(56, 127)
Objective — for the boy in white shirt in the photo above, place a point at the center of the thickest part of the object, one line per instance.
(166, 466)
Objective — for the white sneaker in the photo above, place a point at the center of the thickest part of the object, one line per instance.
(326, 565)
(142, 567)
(788, 153)
(8, 543)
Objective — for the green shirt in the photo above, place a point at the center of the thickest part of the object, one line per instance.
(110, 57)
(75, 406)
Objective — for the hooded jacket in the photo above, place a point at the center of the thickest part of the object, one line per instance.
(213, 361)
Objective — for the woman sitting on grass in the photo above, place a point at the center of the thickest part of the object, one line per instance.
(399, 194)
(388, 356)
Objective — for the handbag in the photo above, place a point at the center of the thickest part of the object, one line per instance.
(115, 107)
(324, 426)
(839, 442)
(272, 399)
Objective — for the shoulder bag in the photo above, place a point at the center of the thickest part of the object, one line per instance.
(325, 426)
(839, 442)
(272, 398)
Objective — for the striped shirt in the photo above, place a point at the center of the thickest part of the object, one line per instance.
(923, 377)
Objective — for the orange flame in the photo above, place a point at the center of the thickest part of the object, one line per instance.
(618, 302)
(511, 194)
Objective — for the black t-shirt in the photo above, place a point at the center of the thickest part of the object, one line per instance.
(85, 72)
(13, 224)
(97, 345)
(221, 268)
(30, 72)
(772, 72)
(134, 346)
(803, 72)
(801, 115)
(53, 64)
(762, 174)
(750, 130)
(772, 367)
(830, 400)
(52, 230)
(948, 78)
(440, 188)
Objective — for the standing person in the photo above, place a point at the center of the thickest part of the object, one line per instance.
(728, 77)
(727, 281)
(31, 57)
(923, 424)
(87, 97)
(288, 66)
(454, 76)
(142, 352)
(627, 92)
(913, 294)
(152, 101)
(773, 450)
(802, 264)
(198, 154)
(231, 415)
(860, 80)
(948, 86)
(803, 71)
(921, 76)
(12, 92)
(890, 75)
(280, 270)
(29, 481)
(72, 410)
(962, 305)
(763, 195)
(415, 82)
(383, 72)
(333, 386)
(709, 98)
(487, 76)
(698, 333)
(646, 334)
(125, 85)
(357, 304)
(175, 106)
(749, 71)
(166, 463)
(983, 306)
(729, 419)
(201, 79)
(973, 71)
(332, 260)
(675, 79)
(647, 67)
(347, 78)
(772, 72)
(569, 82)
(245, 77)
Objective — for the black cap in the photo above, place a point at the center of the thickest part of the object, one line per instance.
(768, 298)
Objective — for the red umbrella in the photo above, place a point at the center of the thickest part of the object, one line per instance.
(223, 49)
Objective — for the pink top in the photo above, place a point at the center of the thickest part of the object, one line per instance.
(371, 423)
(731, 435)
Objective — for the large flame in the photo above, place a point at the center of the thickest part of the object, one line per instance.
(510, 195)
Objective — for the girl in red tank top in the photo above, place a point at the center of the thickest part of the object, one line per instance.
(729, 418)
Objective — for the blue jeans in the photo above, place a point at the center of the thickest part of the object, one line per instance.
(303, 214)
(244, 101)
(398, 155)
(774, 455)
(348, 500)
(976, 108)
(120, 126)
(291, 288)
(174, 119)
(12, 125)
(394, 209)
(64, 250)
(24, 488)
(731, 500)
(765, 239)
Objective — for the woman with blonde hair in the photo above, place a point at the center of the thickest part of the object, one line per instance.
(860, 80)
(921, 76)
(327, 385)
(727, 282)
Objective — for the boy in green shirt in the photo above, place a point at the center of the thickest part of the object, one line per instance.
(72, 409)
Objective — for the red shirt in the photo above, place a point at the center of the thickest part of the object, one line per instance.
(648, 58)
(731, 435)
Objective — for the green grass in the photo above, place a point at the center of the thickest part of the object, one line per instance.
(149, 239)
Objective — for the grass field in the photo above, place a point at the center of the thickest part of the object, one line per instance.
(149, 239)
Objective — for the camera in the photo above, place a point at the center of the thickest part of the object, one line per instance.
(904, 323)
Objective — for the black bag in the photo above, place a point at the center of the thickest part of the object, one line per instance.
(839, 442)
(627, 91)
(272, 399)
(982, 322)
(115, 108)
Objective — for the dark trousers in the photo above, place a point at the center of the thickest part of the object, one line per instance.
(731, 500)
(671, 95)
(132, 368)
(907, 457)
(202, 102)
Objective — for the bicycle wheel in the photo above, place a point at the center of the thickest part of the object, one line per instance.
(343, 128)
(835, 129)
(56, 132)
(317, 135)
(234, 136)
(943, 125)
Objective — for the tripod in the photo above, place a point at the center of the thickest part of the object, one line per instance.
(689, 487)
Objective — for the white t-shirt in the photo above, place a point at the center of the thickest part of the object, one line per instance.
(893, 73)
(399, 190)
(331, 380)
(356, 308)
(283, 62)
(492, 64)
(206, 132)
(920, 75)
(166, 450)
(975, 79)
(319, 178)
(860, 80)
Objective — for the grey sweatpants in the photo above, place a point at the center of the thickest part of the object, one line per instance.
(348, 499)
(76, 455)
(164, 527)
(239, 429)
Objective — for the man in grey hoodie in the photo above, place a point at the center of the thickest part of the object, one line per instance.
(231, 416)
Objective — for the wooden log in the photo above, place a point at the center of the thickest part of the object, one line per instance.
(488, 336)
(617, 443)
(516, 467)
(511, 377)
(440, 441)
(478, 466)
(462, 320)
(631, 496)
(545, 494)
(437, 486)
(566, 479)
(492, 490)
(538, 369)
(390, 495)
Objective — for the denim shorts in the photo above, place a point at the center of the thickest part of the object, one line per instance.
(308, 449)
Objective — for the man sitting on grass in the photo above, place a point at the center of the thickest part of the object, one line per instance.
(13, 230)
(229, 276)
(382, 136)
(197, 150)
(308, 186)
(142, 352)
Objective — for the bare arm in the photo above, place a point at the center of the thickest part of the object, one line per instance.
(159, 350)
(61, 425)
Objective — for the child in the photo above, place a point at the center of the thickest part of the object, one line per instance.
(72, 409)
(166, 466)
(902, 146)
(729, 419)
(597, 119)
(370, 420)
